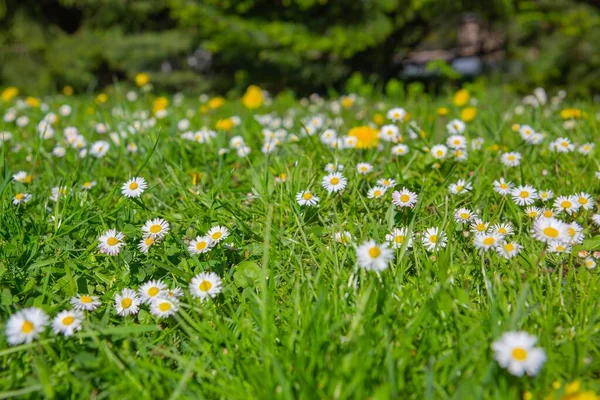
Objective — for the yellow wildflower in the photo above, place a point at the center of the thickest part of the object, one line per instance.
(253, 98)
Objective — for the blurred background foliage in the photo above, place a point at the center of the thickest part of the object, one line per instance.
(305, 45)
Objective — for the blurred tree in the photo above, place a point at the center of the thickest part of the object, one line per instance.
(199, 45)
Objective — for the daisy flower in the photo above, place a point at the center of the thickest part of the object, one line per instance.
(205, 284)
(546, 195)
(533, 212)
(460, 187)
(508, 250)
(389, 133)
(502, 187)
(376, 192)
(400, 150)
(439, 151)
(455, 127)
(25, 326)
(512, 159)
(396, 114)
(562, 145)
(575, 232)
(589, 263)
(334, 167)
(145, 244)
(504, 229)
(127, 303)
(586, 148)
(463, 215)
(404, 198)
(334, 182)
(67, 322)
(85, 302)
(343, 237)
(515, 351)
(134, 187)
(596, 219)
(22, 177)
(585, 201)
(163, 307)
(202, 244)
(550, 230)
(364, 168)
(398, 236)
(456, 142)
(217, 234)
(434, 239)
(524, 195)
(155, 228)
(478, 226)
(21, 198)
(373, 257)
(485, 241)
(559, 247)
(174, 294)
(386, 183)
(306, 198)
(152, 290)
(111, 242)
(568, 204)
(547, 213)
(88, 185)
(99, 149)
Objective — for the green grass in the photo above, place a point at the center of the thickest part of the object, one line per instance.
(287, 323)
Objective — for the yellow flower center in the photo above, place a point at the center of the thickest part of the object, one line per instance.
(548, 213)
(86, 299)
(200, 245)
(404, 198)
(27, 327)
(112, 241)
(153, 291)
(133, 185)
(377, 193)
(126, 302)
(465, 216)
(459, 188)
(511, 158)
(582, 200)
(524, 194)
(334, 181)
(551, 232)
(148, 241)
(488, 241)
(439, 153)
(571, 231)
(164, 307)
(433, 238)
(566, 204)
(399, 239)
(307, 196)
(19, 196)
(155, 228)
(217, 235)
(68, 320)
(374, 252)
(502, 231)
(532, 214)
(519, 354)
(509, 247)
(480, 227)
(205, 286)
(503, 186)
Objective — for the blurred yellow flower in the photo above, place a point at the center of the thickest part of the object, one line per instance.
(9, 93)
(572, 113)
(366, 136)
(442, 111)
(468, 114)
(91, 110)
(515, 127)
(379, 119)
(68, 90)
(225, 124)
(160, 103)
(461, 98)
(347, 101)
(33, 102)
(572, 391)
(203, 110)
(253, 98)
(142, 79)
(102, 98)
(215, 102)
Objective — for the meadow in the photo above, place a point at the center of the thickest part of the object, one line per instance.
(262, 246)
